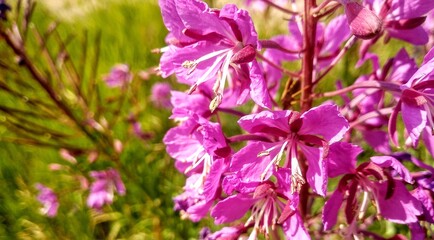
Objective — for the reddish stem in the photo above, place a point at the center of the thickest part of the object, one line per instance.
(309, 40)
(307, 76)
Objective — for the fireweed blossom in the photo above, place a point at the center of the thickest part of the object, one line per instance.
(287, 133)
(213, 48)
(160, 95)
(365, 102)
(195, 145)
(271, 204)
(380, 180)
(119, 76)
(185, 104)
(416, 102)
(103, 188)
(192, 203)
(401, 20)
(329, 39)
(48, 199)
(201, 152)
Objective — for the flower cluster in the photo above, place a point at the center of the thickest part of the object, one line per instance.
(264, 177)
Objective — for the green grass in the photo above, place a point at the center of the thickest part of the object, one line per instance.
(128, 31)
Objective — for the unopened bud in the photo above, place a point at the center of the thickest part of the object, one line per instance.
(118, 146)
(65, 154)
(363, 22)
(55, 167)
(93, 155)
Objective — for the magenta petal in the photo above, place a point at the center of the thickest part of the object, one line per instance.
(427, 203)
(388, 161)
(224, 211)
(317, 172)
(415, 119)
(183, 103)
(244, 23)
(378, 140)
(331, 209)
(249, 166)
(403, 67)
(342, 158)
(258, 87)
(425, 72)
(212, 182)
(180, 144)
(402, 207)
(430, 55)
(417, 231)
(428, 139)
(294, 228)
(199, 210)
(197, 16)
(336, 32)
(173, 58)
(404, 9)
(172, 19)
(283, 176)
(416, 36)
(275, 122)
(325, 121)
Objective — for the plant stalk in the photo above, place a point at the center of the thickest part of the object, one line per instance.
(307, 78)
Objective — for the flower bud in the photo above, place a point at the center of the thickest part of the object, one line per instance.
(363, 22)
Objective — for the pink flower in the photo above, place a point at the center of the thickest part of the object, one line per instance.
(381, 179)
(213, 48)
(119, 76)
(270, 203)
(102, 189)
(48, 199)
(290, 132)
(416, 103)
(160, 95)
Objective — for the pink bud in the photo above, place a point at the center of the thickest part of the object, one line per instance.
(55, 167)
(118, 146)
(65, 154)
(363, 22)
(93, 155)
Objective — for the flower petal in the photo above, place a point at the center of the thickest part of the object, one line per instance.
(258, 87)
(415, 119)
(403, 9)
(270, 122)
(402, 207)
(325, 121)
(388, 161)
(316, 174)
(224, 211)
(331, 209)
(342, 158)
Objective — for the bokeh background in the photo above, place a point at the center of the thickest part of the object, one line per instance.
(123, 32)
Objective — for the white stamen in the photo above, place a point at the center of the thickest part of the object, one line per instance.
(364, 206)
(297, 179)
(275, 160)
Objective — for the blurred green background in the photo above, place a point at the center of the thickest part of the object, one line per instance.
(129, 30)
